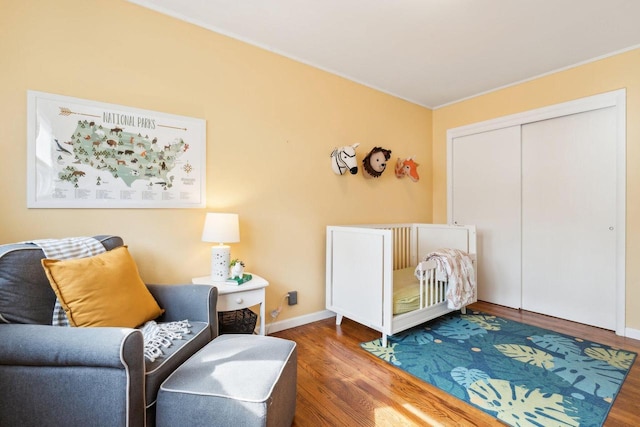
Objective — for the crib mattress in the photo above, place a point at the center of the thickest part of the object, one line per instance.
(406, 291)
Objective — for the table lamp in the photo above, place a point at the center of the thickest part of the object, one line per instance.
(220, 228)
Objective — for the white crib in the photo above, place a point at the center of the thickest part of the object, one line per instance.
(370, 273)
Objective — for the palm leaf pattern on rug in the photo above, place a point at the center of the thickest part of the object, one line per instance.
(521, 374)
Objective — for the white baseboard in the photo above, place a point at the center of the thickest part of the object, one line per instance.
(632, 333)
(298, 321)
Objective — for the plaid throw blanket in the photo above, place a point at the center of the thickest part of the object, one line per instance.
(69, 248)
(457, 266)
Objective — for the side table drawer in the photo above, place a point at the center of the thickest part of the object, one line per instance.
(238, 300)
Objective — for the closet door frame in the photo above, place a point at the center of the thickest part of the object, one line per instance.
(615, 99)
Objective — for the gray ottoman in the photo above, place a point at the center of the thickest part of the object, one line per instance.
(235, 380)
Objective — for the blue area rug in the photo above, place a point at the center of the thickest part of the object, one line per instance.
(521, 374)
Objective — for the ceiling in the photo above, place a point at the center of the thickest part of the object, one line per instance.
(429, 52)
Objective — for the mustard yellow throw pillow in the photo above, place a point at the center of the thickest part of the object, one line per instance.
(103, 290)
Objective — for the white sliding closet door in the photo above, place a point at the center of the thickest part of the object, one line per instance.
(486, 178)
(569, 217)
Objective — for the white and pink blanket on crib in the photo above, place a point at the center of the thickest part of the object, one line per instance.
(457, 266)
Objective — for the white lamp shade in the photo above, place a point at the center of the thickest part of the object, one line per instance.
(221, 228)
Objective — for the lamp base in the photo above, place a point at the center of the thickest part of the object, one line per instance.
(220, 258)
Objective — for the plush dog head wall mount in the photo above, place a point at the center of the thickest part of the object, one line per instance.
(343, 159)
(375, 162)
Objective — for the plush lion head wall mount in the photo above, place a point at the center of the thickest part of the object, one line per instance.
(375, 162)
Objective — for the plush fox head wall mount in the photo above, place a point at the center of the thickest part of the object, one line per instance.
(407, 167)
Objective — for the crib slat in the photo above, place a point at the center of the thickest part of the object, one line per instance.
(401, 247)
(436, 296)
(423, 284)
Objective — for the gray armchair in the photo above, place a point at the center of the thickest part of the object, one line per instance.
(75, 376)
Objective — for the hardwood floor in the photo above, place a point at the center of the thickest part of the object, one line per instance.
(339, 384)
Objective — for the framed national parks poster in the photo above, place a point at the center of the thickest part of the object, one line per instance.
(88, 154)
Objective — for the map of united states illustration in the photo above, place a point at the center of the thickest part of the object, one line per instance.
(129, 156)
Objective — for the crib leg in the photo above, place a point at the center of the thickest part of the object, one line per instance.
(384, 340)
(338, 319)
(463, 310)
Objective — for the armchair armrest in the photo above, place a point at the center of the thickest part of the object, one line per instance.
(78, 375)
(43, 345)
(192, 302)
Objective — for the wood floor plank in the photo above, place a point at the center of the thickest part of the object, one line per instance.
(340, 384)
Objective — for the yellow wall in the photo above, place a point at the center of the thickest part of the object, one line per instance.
(620, 71)
(271, 126)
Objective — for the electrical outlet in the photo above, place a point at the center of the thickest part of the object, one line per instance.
(293, 297)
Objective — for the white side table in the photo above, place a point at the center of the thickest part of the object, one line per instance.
(236, 297)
